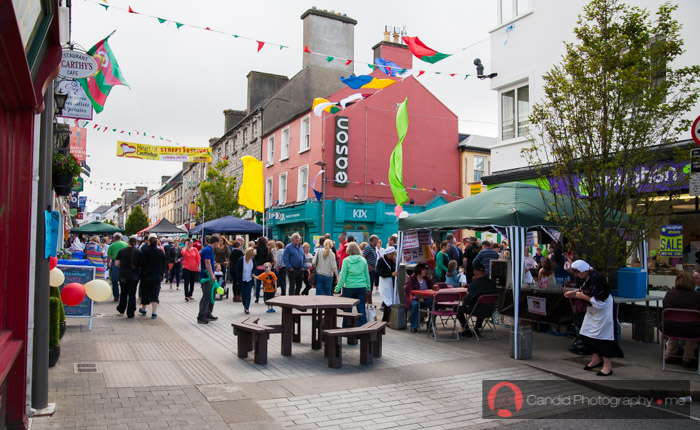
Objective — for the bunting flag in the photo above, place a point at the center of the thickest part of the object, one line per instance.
(396, 161)
(422, 52)
(321, 105)
(347, 101)
(260, 45)
(366, 81)
(317, 193)
(98, 86)
(388, 67)
(252, 191)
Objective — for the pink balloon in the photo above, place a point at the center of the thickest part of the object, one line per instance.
(53, 261)
(73, 294)
(397, 210)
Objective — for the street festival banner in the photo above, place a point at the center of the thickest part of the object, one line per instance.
(416, 247)
(671, 241)
(78, 142)
(163, 153)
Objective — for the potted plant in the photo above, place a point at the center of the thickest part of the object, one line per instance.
(55, 292)
(64, 171)
(54, 317)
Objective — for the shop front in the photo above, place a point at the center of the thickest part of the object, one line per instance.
(357, 219)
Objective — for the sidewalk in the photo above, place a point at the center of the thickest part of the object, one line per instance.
(174, 373)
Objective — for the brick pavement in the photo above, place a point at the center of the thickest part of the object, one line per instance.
(174, 373)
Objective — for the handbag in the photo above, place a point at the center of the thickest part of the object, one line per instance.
(371, 312)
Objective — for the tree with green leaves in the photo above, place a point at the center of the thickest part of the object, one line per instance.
(136, 221)
(109, 221)
(219, 195)
(606, 128)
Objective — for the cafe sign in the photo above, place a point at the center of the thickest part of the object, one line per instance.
(671, 241)
(340, 175)
(77, 65)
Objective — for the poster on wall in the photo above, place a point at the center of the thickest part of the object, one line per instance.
(78, 104)
(671, 243)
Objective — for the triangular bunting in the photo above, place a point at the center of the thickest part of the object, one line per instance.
(260, 45)
(329, 58)
(178, 25)
(131, 10)
(161, 20)
(306, 49)
(106, 6)
(348, 62)
(281, 47)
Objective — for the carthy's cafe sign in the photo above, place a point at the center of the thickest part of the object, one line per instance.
(77, 65)
(664, 177)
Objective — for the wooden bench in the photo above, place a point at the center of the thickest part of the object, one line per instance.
(253, 337)
(353, 320)
(370, 336)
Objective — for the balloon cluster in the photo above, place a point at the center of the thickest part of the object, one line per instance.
(74, 293)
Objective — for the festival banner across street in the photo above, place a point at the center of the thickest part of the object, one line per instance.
(163, 153)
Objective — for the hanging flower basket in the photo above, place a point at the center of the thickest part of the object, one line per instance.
(65, 169)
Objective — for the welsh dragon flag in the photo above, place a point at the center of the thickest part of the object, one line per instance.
(421, 51)
(98, 86)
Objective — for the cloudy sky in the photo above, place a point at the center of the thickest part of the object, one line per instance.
(181, 80)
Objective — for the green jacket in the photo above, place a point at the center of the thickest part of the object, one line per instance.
(354, 274)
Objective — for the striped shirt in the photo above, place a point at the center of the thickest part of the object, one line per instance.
(370, 255)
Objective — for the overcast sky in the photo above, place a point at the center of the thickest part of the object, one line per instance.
(182, 80)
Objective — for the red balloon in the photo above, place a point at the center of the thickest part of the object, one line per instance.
(73, 294)
(53, 261)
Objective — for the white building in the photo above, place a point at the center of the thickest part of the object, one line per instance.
(153, 206)
(535, 44)
(112, 214)
(97, 214)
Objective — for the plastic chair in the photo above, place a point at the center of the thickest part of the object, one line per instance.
(483, 308)
(444, 308)
(679, 316)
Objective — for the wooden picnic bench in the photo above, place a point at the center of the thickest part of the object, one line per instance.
(353, 320)
(370, 336)
(253, 337)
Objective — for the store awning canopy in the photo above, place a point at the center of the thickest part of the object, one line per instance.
(96, 227)
(162, 226)
(228, 225)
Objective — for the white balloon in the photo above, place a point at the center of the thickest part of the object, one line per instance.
(56, 277)
(403, 214)
(98, 290)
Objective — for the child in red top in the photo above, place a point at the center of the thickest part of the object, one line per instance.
(269, 281)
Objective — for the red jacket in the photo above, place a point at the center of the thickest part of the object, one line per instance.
(412, 284)
(190, 259)
(342, 253)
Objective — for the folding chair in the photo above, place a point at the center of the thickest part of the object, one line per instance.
(679, 316)
(444, 308)
(483, 308)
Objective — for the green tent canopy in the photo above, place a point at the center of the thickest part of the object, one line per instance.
(96, 227)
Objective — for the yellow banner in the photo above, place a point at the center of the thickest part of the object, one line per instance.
(163, 153)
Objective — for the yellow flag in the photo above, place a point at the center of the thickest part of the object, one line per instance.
(252, 192)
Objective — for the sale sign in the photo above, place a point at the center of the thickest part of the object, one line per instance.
(671, 241)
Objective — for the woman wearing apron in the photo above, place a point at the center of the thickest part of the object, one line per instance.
(386, 272)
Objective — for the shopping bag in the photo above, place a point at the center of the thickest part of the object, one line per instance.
(371, 312)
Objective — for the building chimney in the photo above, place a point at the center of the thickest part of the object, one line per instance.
(213, 140)
(328, 34)
(232, 117)
(262, 86)
(393, 51)
(164, 179)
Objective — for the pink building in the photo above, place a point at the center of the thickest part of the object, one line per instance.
(355, 145)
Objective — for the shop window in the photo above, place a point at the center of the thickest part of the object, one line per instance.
(283, 188)
(303, 183)
(305, 137)
(270, 150)
(268, 192)
(515, 111)
(284, 150)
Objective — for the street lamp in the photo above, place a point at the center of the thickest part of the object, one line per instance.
(323, 195)
(60, 98)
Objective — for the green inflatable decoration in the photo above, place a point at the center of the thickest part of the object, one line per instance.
(214, 290)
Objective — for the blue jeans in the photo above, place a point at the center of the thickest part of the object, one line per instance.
(114, 274)
(415, 311)
(258, 284)
(323, 285)
(282, 279)
(360, 294)
(246, 289)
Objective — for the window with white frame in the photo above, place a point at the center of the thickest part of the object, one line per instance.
(515, 111)
(303, 183)
(284, 151)
(481, 168)
(268, 192)
(270, 150)
(283, 188)
(305, 137)
(510, 9)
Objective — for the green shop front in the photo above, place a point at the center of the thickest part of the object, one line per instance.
(357, 219)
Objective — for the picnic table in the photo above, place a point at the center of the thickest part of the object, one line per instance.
(324, 308)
